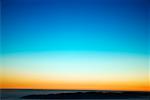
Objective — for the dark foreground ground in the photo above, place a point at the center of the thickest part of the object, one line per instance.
(93, 95)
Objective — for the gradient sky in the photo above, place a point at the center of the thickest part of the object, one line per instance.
(75, 44)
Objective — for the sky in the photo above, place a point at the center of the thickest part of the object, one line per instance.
(75, 44)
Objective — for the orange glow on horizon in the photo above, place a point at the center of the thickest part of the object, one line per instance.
(34, 84)
(27, 82)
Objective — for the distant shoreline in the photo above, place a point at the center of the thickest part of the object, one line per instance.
(72, 90)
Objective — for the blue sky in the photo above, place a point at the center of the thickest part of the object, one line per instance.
(81, 44)
(75, 25)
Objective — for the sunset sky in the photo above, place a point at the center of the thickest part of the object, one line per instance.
(75, 44)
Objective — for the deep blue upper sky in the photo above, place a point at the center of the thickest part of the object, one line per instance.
(75, 25)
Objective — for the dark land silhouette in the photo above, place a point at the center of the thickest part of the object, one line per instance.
(93, 95)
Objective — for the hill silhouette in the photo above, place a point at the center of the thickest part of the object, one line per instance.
(92, 95)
